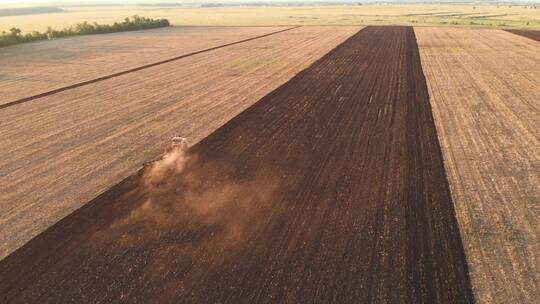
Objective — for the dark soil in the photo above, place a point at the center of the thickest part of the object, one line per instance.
(331, 189)
(534, 35)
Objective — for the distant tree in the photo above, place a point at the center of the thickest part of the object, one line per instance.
(15, 32)
(15, 35)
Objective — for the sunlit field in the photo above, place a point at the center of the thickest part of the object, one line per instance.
(419, 15)
(265, 153)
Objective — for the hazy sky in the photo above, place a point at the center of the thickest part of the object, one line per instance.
(146, 1)
(53, 2)
(140, 1)
(76, 1)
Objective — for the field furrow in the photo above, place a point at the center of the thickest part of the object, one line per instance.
(331, 188)
(485, 96)
(62, 150)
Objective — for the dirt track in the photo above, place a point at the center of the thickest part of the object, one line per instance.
(61, 151)
(329, 189)
(485, 96)
(534, 35)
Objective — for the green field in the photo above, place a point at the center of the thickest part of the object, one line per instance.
(505, 16)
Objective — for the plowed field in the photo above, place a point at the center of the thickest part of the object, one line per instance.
(329, 189)
(60, 151)
(534, 35)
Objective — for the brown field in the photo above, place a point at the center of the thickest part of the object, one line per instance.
(30, 69)
(534, 35)
(485, 96)
(62, 150)
(330, 189)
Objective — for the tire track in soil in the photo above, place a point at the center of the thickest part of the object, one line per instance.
(329, 189)
(534, 35)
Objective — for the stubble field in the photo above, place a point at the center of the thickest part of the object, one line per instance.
(485, 96)
(30, 69)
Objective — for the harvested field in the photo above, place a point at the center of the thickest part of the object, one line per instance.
(485, 97)
(30, 69)
(329, 189)
(424, 14)
(61, 151)
(534, 35)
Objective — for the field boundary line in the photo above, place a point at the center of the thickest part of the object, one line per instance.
(136, 69)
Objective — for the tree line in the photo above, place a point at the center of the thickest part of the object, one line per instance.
(15, 35)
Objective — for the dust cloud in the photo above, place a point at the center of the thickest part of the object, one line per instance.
(200, 202)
